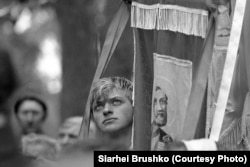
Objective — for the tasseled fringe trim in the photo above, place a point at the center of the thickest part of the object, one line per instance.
(144, 16)
(170, 17)
(231, 138)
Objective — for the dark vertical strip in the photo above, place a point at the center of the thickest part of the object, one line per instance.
(244, 48)
(10, 155)
(78, 52)
(143, 89)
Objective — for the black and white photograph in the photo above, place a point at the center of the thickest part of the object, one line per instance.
(87, 83)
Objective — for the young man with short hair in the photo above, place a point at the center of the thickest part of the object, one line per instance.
(112, 110)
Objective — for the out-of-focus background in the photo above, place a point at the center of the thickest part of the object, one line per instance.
(55, 46)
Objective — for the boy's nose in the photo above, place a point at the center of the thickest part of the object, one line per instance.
(107, 109)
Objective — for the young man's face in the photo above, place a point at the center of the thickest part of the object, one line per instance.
(30, 116)
(160, 108)
(114, 112)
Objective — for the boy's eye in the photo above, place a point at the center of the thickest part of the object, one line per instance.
(98, 107)
(116, 102)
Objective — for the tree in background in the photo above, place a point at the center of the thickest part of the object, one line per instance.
(83, 28)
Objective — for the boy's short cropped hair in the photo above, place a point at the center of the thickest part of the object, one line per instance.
(103, 87)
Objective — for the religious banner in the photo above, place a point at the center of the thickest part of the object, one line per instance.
(171, 90)
(169, 37)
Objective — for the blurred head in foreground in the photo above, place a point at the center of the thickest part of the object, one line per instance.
(40, 146)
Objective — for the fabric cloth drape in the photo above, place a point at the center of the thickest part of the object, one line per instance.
(173, 31)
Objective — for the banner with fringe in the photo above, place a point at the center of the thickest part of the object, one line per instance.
(180, 45)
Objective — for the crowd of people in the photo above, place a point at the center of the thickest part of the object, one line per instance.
(111, 120)
(110, 128)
